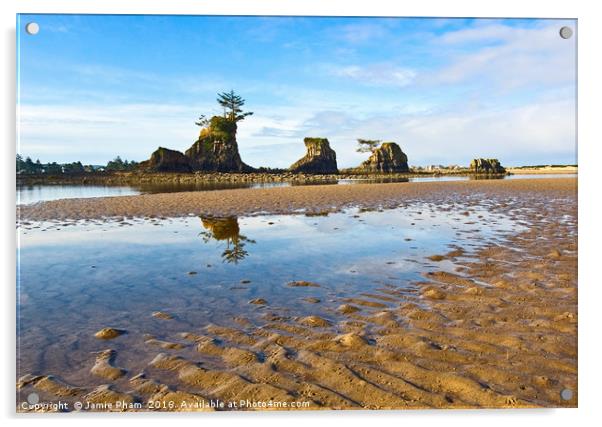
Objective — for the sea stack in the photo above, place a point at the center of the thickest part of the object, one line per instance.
(166, 160)
(386, 158)
(216, 149)
(487, 166)
(319, 159)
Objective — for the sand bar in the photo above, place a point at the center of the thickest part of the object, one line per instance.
(286, 200)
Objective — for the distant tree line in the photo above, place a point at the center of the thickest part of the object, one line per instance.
(29, 167)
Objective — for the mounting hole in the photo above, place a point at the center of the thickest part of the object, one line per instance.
(566, 32)
(33, 398)
(566, 394)
(32, 28)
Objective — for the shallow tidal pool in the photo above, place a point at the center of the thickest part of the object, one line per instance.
(78, 277)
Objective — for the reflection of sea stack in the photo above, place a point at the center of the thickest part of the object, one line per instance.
(222, 228)
(216, 150)
(386, 158)
(487, 166)
(320, 158)
(226, 229)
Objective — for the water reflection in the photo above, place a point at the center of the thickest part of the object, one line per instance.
(226, 229)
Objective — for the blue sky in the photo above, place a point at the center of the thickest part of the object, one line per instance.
(447, 90)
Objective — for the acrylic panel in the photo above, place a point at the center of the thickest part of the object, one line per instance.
(295, 213)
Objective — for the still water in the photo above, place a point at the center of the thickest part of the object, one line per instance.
(76, 278)
(27, 194)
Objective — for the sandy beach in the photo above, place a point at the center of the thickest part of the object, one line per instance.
(497, 329)
(547, 170)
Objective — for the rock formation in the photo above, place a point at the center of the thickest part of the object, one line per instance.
(320, 158)
(387, 158)
(487, 166)
(166, 160)
(216, 150)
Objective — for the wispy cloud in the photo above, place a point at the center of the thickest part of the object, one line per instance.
(507, 57)
(362, 32)
(59, 28)
(376, 74)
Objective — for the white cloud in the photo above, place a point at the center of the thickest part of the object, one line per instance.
(376, 74)
(508, 58)
(95, 134)
(541, 131)
(361, 32)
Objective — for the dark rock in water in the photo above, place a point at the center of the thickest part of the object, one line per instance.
(216, 150)
(387, 158)
(166, 160)
(487, 166)
(320, 158)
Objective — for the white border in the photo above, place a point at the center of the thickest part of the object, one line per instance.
(589, 210)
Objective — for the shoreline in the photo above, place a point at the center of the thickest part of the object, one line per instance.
(137, 178)
(315, 199)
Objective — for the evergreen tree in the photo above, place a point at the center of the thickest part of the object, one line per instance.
(232, 104)
(367, 145)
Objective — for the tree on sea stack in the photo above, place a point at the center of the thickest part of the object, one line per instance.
(216, 149)
(367, 145)
(203, 121)
(232, 104)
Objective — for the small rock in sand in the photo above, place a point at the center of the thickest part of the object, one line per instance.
(303, 283)
(347, 309)
(108, 333)
(162, 315)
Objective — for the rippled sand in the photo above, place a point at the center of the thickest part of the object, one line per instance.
(498, 331)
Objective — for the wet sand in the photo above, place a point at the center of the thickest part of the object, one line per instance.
(498, 331)
(285, 200)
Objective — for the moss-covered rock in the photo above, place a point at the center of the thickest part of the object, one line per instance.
(216, 149)
(387, 158)
(320, 158)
